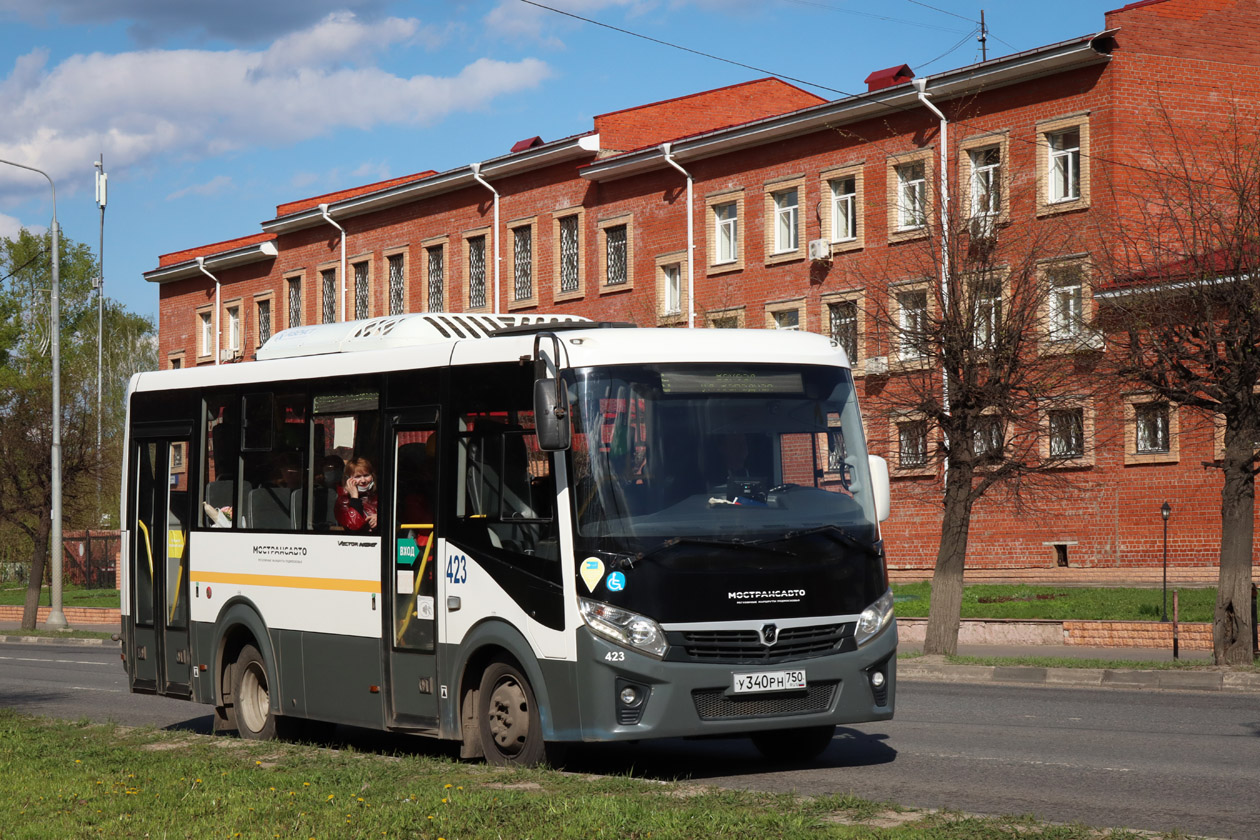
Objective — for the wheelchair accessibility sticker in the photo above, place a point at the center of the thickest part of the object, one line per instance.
(615, 582)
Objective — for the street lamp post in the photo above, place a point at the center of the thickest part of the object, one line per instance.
(1165, 511)
(56, 617)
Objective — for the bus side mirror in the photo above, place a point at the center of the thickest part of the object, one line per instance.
(879, 487)
(551, 415)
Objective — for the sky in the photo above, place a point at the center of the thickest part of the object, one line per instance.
(209, 113)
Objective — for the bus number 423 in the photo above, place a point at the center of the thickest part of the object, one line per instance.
(457, 568)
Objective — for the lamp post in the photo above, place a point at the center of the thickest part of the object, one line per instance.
(1165, 511)
(56, 617)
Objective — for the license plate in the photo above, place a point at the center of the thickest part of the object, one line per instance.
(768, 681)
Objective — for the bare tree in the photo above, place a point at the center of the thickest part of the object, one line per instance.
(988, 374)
(1181, 297)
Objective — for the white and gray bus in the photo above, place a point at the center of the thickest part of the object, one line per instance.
(582, 532)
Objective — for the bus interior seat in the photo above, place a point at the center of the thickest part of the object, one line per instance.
(269, 508)
(323, 502)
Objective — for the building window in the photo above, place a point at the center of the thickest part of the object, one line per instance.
(205, 332)
(787, 319)
(912, 325)
(568, 254)
(1151, 434)
(234, 329)
(397, 284)
(523, 263)
(911, 195)
(1067, 433)
(436, 258)
(987, 311)
(912, 444)
(1067, 299)
(328, 297)
(295, 301)
(177, 362)
(844, 220)
(986, 181)
(264, 320)
(786, 235)
(616, 255)
(1064, 165)
(671, 288)
(362, 291)
(731, 319)
(843, 322)
(476, 272)
(726, 232)
(989, 437)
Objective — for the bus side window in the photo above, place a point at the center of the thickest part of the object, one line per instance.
(220, 458)
(273, 462)
(344, 425)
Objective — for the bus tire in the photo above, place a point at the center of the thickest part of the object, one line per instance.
(794, 744)
(254, 717)
(508, 722)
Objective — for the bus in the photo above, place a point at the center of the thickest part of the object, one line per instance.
(563, 531)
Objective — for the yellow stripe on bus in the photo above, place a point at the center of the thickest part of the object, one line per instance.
(332, 584)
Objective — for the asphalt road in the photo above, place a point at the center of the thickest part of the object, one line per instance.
(1157, 760)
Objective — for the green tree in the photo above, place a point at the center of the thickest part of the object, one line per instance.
(90, 474)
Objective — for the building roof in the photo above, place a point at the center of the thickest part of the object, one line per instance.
(341, 195)
(180, 265)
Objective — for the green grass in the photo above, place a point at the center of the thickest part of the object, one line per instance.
(1060, 603)
(69, 780)
(71, 596)
(58, 634)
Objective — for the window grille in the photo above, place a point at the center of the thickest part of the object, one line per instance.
(844, 326)
(437, 278)
(912, 443)
(397, 289)
(295, 301)
(476, 272)
(912, 319)
(989, 437)
(264, 321)
(569, 254)
(615, 241)
(523, 253)
(1152, 428)
(361, 308)
(329, 281)
(1067, 433)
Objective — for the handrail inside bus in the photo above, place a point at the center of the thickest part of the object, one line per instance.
(148, 544)
(179, 576)
(415, 591)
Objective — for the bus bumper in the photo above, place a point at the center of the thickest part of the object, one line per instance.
(683, 699)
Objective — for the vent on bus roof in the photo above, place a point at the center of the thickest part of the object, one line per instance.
(398, 331)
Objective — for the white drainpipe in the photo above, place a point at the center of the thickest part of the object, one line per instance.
(476, 172)
(921, 86)
(691, 236)
(218, 335)
(323, 208)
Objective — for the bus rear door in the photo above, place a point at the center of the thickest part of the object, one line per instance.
(411, 573)
(161, 512)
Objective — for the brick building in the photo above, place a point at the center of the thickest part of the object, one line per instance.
(804, 214)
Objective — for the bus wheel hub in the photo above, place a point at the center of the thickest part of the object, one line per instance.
(509, 716)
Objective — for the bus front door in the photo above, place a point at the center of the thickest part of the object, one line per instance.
(160, 656)
(411, 573)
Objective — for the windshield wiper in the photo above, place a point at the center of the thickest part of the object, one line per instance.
(837, 534)
(755, 545)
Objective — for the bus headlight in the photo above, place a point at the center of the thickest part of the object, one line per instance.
(624, 628)
(874, 619)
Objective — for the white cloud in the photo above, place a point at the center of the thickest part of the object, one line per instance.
(513, 20)
(215, 186)
(138, 107)
(9, 226)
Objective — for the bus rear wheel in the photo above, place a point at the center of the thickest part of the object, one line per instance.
(508, 721)
(794, 744)
(254, 718)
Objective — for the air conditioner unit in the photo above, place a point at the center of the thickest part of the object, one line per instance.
(819, 249)
(877, 365)
(228, 355)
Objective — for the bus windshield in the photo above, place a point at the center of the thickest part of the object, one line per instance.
(745, 454)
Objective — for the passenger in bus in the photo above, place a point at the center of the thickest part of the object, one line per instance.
(357, 498)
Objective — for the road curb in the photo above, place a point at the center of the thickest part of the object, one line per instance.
(53, 640)
(1121, 678)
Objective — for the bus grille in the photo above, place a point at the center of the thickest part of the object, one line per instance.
(745, 647)
(716, 704)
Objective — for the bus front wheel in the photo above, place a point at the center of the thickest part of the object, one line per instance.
(254, 718)
(507, 714)
(794, 744)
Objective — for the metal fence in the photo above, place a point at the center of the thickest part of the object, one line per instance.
(90, 558)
